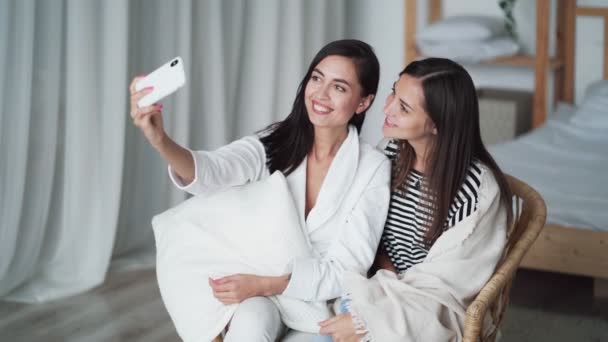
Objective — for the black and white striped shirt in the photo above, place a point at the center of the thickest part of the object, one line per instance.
(409, 214)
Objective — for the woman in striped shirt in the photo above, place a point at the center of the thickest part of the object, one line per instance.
(443, 180)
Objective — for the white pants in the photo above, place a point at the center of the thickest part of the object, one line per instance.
(257, 319)
(298, 336)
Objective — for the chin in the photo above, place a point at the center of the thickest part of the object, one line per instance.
(388, 132)
(316, 121)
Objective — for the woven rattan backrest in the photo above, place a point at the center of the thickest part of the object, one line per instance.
(529, 218)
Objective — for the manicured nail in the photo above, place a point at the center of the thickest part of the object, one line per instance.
(149, 88)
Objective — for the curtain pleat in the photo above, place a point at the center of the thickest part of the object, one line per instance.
(78, 182)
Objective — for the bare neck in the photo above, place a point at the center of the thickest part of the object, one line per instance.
(420, 148)
(327, 143)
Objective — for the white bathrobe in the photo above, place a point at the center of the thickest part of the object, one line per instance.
(428, 302)
(343, 228)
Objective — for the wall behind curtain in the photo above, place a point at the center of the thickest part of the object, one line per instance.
(78, 183)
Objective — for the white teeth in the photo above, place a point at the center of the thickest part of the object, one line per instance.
(319, 108)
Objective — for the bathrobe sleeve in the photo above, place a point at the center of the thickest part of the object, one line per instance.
(237, 163)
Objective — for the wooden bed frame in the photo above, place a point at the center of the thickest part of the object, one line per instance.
(572, 250)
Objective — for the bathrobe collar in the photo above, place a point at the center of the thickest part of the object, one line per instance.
(335, 186)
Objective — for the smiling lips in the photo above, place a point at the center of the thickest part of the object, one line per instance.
(388, 123)
(320, 109)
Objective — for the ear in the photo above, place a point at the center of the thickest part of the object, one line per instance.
(430, 126)
(364, 104)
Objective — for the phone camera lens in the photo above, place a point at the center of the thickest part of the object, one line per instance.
(174, 63)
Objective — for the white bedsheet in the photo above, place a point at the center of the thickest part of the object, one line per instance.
(567, 165)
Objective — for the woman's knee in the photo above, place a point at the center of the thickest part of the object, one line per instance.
(256, 319)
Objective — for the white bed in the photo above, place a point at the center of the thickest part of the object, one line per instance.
(567, 163)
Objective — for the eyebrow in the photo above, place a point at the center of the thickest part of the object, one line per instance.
(401, 100)
(339, 80)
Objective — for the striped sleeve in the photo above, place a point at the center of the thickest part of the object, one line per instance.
(467, 197)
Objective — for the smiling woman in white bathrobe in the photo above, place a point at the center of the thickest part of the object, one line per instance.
(340, 185)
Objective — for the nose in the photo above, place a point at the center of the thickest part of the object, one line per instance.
(323, 91)
(388, 104)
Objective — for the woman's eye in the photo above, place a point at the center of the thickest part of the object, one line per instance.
(340, 89)
(403, 109)
(393, 91)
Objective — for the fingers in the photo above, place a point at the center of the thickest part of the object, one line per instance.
(226, 299)
(216, 282)
(140, 112)
(325, 323)
(135, 97)
(327, 330)
(227, 279)
(329, 326)
(223, 292)
(229, 290)
(337, 326)
(144, 121)
(227, 287)
(330, 321)
(134, 82)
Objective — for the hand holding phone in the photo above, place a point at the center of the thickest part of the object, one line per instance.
(164, 80)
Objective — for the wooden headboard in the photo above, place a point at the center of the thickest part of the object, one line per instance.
(562, 65)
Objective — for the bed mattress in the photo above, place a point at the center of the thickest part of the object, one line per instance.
(567, 165)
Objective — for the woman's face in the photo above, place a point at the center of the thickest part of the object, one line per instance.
(406, 118)
(333, 93)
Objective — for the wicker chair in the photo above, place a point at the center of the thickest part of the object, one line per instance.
(529, 219)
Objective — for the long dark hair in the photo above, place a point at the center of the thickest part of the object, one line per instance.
(288, 142)
(450, 100)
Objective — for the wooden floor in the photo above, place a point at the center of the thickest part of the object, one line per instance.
(127, 308)
(544, 307)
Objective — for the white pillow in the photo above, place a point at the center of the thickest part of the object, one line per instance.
(593, 111)
(252, 229)
(563, 112)
(462, 28)
(597, 88)
(470, 51)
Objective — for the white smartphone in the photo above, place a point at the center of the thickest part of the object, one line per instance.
(165, 80)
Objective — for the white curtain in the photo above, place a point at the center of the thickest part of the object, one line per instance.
(78, 183)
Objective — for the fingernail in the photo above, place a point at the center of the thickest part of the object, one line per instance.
(159, 106)
(149, 88)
